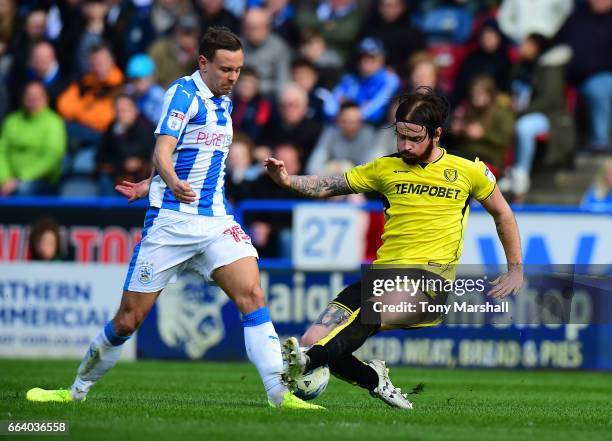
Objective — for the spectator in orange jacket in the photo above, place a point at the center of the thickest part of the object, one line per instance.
(87, 104)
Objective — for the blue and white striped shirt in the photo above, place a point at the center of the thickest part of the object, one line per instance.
(203, 126)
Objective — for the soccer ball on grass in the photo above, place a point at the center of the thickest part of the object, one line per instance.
(311, 384)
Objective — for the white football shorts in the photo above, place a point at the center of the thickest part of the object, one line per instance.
(173, 242)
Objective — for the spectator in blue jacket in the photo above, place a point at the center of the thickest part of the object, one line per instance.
(599, 196)
(374, 86)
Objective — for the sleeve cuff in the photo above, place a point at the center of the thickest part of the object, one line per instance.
(168, 133)
(348, 183)
(488, 195)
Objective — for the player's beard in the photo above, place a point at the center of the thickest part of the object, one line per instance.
(419, 159)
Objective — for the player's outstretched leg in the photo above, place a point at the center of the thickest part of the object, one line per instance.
(102, 355)
(338, 344)
(373, 376)
(356, 372)
(240, 280)
(104, 350)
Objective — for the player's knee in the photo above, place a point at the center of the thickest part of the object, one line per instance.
(307, 340)
(251, 298)
(524, 127)
(313, 335)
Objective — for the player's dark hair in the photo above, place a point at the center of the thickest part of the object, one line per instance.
(424, 107)
(216, 38)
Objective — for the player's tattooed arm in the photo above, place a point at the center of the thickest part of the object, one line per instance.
(313, 186)
(319, 186)
(332, 317)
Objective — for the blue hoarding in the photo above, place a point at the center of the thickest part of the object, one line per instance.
(193, 320)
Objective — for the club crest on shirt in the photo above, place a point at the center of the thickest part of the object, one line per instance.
(451, 174)
(175, 119)
(145, 273)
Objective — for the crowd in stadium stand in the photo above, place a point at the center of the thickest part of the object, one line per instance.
(82, 83)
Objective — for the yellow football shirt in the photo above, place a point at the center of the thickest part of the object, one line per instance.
(426, 206)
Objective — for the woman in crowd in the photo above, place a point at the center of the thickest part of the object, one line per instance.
(483, 124)
(45, 240)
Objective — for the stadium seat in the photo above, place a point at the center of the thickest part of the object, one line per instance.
(78, 186)
(448, 58)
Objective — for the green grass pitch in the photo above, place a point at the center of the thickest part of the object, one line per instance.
(225, 401)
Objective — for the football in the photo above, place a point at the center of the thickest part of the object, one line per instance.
(312, 383)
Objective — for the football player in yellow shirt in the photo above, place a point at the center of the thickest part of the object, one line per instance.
(426, 192)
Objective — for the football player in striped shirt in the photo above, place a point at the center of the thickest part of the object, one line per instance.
(189, 225)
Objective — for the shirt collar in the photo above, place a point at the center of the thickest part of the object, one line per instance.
(201, 85)
(197, 78)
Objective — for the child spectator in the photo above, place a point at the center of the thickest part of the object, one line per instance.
(327, 61)
(422, 71)
(149, 96)
(599, 196)
(321, 102)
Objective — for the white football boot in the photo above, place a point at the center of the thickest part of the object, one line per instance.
(385, 390)
(295, 361)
